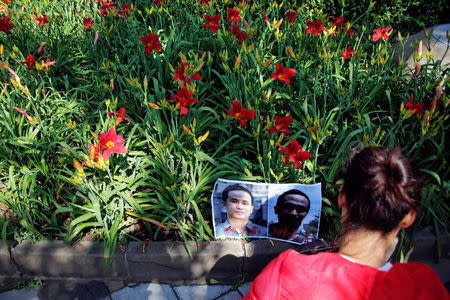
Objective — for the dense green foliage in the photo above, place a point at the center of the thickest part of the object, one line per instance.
(51, 112)
(405, 16)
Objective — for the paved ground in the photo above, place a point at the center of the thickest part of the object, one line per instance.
(99, 291)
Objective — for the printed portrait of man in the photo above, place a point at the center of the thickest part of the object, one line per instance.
(291, 208)
(238, 203)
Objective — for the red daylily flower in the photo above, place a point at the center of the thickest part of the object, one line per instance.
(239, 34)
(283, 74)
(381, 33)
(294, 153)
(151, 42)
(184, 98)
(106, 7)
(414, 108)
(314, 27)
(88, 22)
(212, 22)
(41, 20)
(291, 15)
(233, 15)
(30, 62)
(346, 54)
(337, 22)
(126, 10)
(281, 125)
(196, 77)
(119, 115)
(240, 113)
(182, 75)
(158, 1)
(351, 32)
(112, 143)
(5, 25)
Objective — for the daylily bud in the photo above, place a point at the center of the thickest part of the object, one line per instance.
(438, 93)
(145, 83)
(78, 167)
(246, 25)
(273, 174)
(417, 69)
(291, 51)
(182, 57)
(435, 100)
(96, 37)
(378, 132)
(433, 105)
(198, 68)
(203, 137)
(153, 105)
(171, 68)
(258, 58)
(237, 62)
(187, 130)
(170, 140)
(279, 24)
(209, 57)
(419, 49)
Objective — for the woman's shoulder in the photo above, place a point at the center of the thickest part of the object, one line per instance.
(411, 281)
(414, 271)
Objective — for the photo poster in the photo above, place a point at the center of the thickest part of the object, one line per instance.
(287, 212)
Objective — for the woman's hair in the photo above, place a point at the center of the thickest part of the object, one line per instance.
(380, 187)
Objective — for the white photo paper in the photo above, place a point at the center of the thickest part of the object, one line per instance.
(288, 212)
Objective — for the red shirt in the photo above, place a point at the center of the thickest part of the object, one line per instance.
(329, 276)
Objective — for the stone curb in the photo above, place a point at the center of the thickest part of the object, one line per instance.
(226, 262)
(223, 262)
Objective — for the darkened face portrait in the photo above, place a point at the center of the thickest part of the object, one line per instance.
(238, 205)
(291, 208)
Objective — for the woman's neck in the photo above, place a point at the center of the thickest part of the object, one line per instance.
(367, 247)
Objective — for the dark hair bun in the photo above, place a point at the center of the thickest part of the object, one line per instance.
(380, 187)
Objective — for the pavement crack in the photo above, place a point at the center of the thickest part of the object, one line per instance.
(175, 292)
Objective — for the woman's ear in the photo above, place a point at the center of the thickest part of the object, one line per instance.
(408, 219)
(342, 202)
